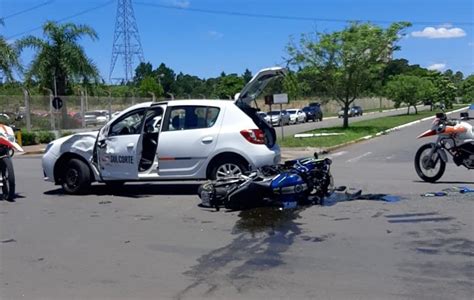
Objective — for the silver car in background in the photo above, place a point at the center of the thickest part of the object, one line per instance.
(279, 118)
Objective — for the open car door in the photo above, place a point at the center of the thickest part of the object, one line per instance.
(119, 147)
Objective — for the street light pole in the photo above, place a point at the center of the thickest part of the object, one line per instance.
(153, 96)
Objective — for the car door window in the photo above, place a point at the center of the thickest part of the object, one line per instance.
(128, 124)
(191, 117)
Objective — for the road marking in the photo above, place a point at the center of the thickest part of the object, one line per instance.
(359, 157)
(340, 153)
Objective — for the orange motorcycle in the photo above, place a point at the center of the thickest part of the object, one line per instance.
(455, 137)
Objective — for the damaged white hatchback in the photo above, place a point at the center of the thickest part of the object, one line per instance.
(175, 140)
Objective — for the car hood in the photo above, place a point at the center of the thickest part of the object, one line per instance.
(255, 86)
(81, 143)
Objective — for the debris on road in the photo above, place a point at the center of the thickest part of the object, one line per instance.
(8, 241)
(446, 192)
(105, 202)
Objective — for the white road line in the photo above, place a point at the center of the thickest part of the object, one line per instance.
(340, 153)
(359, 157)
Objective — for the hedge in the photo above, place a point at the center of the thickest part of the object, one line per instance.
(36, 137)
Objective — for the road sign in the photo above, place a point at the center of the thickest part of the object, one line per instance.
(57, 103)
(280, 98)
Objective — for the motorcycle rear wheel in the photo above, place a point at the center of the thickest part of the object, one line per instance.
(8, 179)
(421, 170)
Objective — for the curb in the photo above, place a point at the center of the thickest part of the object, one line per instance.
(368, 137)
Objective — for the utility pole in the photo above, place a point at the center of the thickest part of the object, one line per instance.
(27, 109)
(126, 43)
(51, 113)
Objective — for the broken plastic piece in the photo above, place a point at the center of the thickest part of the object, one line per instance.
(436, 194)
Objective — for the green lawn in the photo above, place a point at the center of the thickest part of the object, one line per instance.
(356, 131)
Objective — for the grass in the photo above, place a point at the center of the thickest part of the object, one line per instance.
(356, 131)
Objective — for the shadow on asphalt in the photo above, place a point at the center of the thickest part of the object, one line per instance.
(445, 182)
(135, 190)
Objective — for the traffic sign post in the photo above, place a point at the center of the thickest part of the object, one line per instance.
(57, 103)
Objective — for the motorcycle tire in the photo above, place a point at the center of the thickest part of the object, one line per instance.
(418, 165)
(8, 179)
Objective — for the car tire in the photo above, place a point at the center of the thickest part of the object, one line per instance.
(321, 118)
(76, 177)
(234, 167)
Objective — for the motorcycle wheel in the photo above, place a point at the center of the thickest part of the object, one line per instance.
(421, 159)
(8, 179)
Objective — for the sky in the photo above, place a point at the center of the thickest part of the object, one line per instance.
(189, 39)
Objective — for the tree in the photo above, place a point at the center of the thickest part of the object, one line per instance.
(247, 76)
(349, 60)
(410, 90)
(150, 85)
(166, 78)
(9, 57)
(445, 88)
(228, 86)
(60, 56)
(142, 70)
(467, 89)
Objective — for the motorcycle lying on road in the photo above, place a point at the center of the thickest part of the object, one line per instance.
(455, 137)
(296, 182)
(8, 146)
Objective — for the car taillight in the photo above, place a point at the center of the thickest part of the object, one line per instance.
(254, 136)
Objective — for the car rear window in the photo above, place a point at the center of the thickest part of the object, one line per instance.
(191, 117)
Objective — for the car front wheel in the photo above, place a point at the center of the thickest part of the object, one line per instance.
(76, 177)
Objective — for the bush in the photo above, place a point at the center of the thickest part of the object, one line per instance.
(28, 138)
(66, 133)
(44, 137)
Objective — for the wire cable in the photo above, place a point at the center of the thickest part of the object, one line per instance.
(27, 10)
(83, 12)
(282, 17)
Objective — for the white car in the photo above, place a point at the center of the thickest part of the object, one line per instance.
(296, 116)
(175, 140)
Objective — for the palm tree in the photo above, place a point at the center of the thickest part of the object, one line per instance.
(59, 56)
(9, 57)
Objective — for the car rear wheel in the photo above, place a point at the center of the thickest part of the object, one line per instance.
(225, 168)
(76, 177)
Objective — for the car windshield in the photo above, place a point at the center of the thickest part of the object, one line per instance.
(306, 109)
(274, 113)
(292, 111)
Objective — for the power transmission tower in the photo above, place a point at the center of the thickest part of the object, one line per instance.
(126, 41)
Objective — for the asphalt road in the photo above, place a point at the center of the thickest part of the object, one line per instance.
(151, 241)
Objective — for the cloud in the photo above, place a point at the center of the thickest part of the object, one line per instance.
(180, 3)
(437, 67)
(215, 34)
(439, 33)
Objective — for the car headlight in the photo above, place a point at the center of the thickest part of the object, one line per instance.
(48, 147)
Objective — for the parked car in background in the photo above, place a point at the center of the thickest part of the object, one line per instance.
(296, 116)
(354, 111)
(313, 113)
(264, 116)
(169, 140)
(279, 118)
(96, 117)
